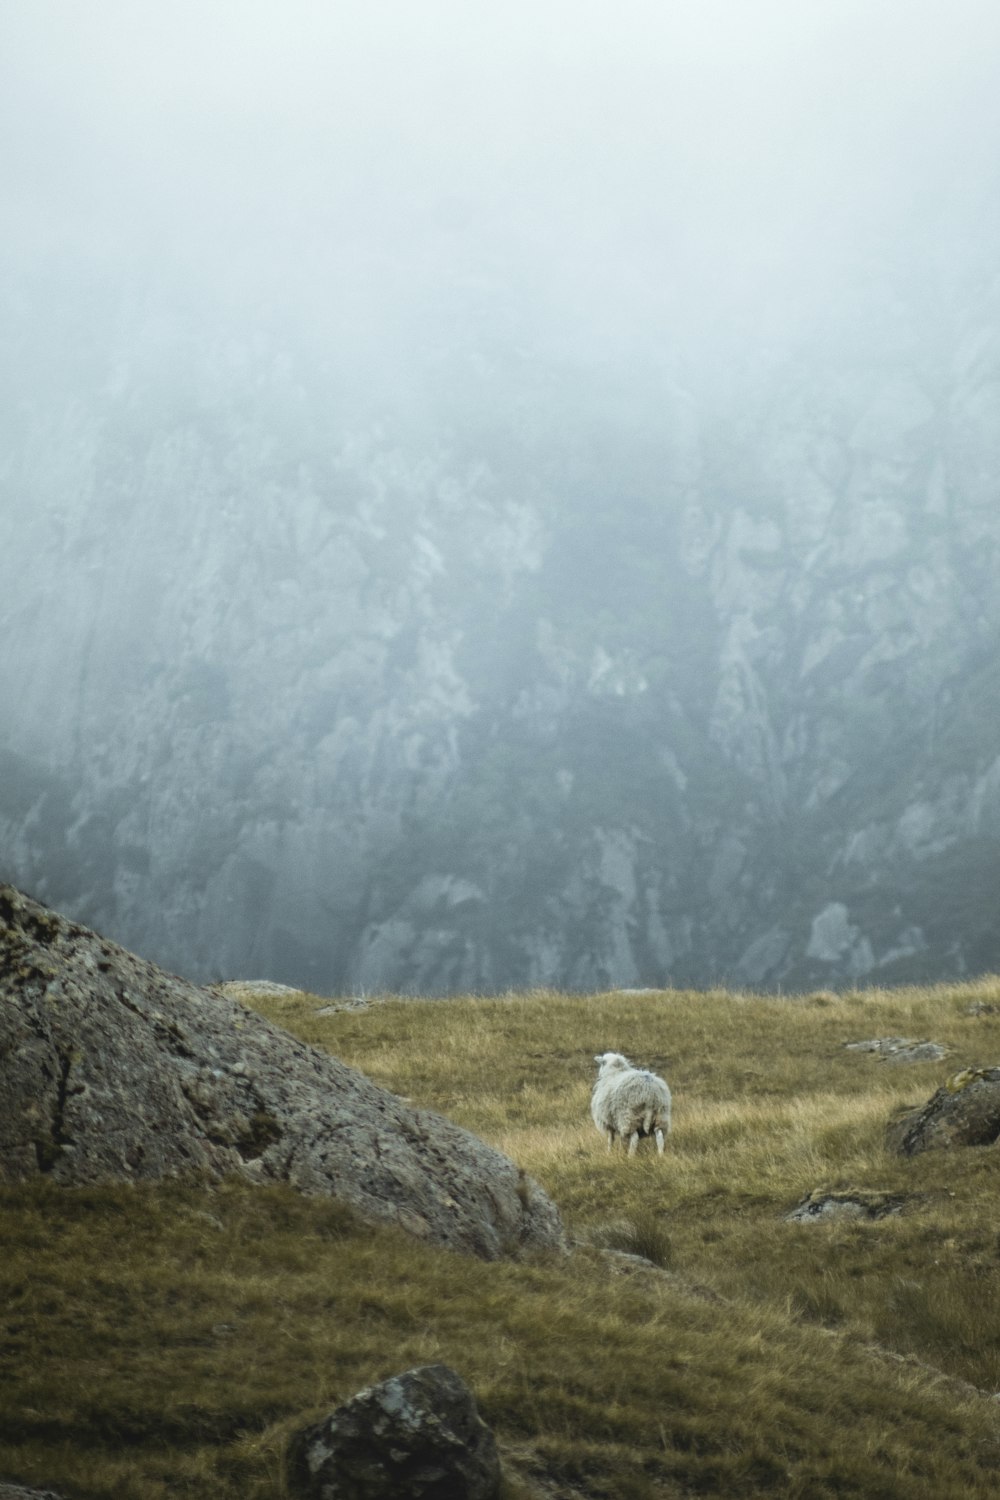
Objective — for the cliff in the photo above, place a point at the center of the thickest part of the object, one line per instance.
(549, 672)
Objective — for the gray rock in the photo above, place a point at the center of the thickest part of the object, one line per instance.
(112, 1069)
(900, 1049)
(965, 1111)
(917, 1052)
(417, 1436)
(855, 1203)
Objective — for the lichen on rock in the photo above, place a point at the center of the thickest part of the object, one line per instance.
(416, 1436)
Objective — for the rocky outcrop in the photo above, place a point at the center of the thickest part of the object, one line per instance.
(417, 1436)
(965, 1111)
(113, 1069)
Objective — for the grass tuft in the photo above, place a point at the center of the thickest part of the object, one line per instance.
(644, 1235)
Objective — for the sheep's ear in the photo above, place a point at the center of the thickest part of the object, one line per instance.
(599, 1056)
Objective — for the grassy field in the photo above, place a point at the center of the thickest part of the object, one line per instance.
(165, 1341)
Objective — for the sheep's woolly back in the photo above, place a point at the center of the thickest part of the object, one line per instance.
(627, 1099)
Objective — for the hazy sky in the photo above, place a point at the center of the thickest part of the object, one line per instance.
(592, 151)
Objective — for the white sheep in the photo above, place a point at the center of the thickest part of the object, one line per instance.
(629, 1102)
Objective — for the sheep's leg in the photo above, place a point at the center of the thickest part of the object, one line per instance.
(611, 1138)
(633, 1144)
(659, 1140)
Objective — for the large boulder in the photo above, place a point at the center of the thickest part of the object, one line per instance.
(112, 1069)
(417, 1436)
(965, 1111)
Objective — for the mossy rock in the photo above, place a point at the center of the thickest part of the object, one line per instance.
(965, 1111)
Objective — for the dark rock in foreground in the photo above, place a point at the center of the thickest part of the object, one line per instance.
(417, 1436)
(965, 1111)
(112, 1069)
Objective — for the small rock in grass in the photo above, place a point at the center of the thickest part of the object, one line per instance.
(900, 1049)
(855, 1203)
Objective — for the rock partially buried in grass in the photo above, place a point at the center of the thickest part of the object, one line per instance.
(111, 1069)
(900, 1049)
(854, 1203)
(965, 1111)
(417, 1436)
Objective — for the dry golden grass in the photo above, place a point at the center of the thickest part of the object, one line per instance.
(165, 1341)
(768, 1105)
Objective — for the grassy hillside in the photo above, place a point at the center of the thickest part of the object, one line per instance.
(165, 1341)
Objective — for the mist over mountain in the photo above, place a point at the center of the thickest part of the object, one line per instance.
(509, 503)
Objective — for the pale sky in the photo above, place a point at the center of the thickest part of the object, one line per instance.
(723, 147)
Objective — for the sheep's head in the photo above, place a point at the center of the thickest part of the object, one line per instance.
(611, 1062)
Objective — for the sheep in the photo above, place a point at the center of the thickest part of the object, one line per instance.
(629, 1102)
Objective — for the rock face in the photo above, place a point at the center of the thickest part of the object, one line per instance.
(113, 1069)
(666, 676)
(417, 1436)
(963, 1112)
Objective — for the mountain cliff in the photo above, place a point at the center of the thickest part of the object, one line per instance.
(532, 668)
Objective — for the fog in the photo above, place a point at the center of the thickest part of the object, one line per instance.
(615, 170)
(504, 494)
